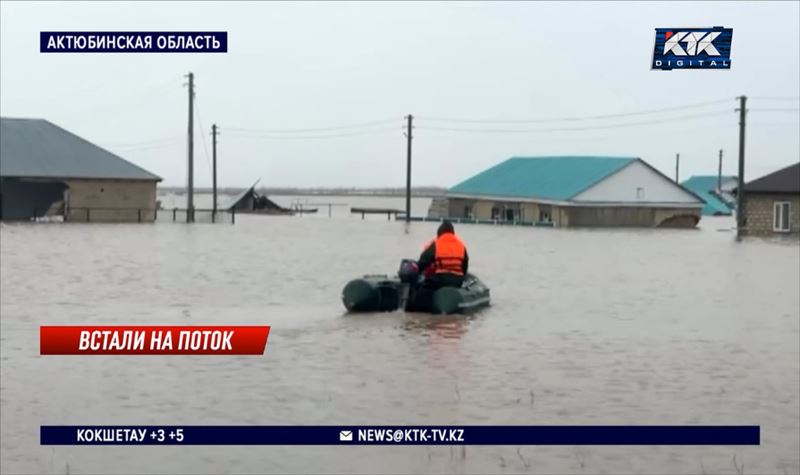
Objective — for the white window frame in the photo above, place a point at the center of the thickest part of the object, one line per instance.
(776, 223)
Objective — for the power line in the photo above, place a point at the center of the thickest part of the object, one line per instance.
(566, 129)
(202, 134)
(775, 109)
(774, 98)
(144, 142)
(570, 119)
(316, 129)
(149, 147)
(235, 133)
(140, 98)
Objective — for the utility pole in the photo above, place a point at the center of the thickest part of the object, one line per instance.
(719, 173)
(740, 217)
(190, 184)
(677, 166)
(214, 165)
(408, 167)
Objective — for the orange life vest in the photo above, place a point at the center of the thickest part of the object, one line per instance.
(450, 252)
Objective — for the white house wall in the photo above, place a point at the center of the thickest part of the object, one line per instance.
(636, 183)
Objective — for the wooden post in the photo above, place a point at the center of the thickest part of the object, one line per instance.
(190, 136)
(409, 136)
(741, 222)
(214, 174)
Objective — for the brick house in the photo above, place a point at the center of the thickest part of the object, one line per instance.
(48, 171)
(772, 203)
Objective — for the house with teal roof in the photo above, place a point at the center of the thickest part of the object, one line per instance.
(574, 191)
(716, 191)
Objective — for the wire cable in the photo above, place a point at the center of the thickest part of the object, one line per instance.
(231, 132)
(149, 147)
(568, 129)
(202, 135)
(315, 129)
(575, 119)
(143, 142)
(774, 98)
(774, 109)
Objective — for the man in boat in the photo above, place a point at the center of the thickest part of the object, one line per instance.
(445, 261)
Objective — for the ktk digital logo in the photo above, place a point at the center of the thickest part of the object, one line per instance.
(693, 48)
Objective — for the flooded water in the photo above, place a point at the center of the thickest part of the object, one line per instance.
(586, 327)
(326, 206)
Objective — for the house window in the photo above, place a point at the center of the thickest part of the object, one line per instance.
(468, 212)
(510, 215)
(640, 193)
(781, 217)
(495, 212)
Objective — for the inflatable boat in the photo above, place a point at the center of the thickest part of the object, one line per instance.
(408, 291)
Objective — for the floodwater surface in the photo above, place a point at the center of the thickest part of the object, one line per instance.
(586, 327)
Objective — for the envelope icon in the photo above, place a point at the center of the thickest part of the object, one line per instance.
(345, 435)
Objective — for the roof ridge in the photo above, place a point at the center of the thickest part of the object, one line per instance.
(602, 157)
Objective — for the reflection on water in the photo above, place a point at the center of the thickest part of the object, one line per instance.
(586, 327)
(437, 327)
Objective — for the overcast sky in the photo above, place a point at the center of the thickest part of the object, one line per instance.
(319, 65)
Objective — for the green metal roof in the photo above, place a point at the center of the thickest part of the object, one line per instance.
(554, 178)
(703, 186)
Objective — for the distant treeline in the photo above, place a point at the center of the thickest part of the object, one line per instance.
(419, 191)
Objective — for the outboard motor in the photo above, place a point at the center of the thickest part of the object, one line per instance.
(409, 277)
(408, 272)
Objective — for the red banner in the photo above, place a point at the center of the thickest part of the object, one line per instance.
(153, 340)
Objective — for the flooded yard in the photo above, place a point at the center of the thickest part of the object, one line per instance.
(587, 326)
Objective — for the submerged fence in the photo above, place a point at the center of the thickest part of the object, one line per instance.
(124, 215)
(196, 215)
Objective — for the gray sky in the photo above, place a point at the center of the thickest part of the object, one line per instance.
(316, 65)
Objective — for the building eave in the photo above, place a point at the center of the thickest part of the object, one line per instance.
(62, 178)
(637, 204)
(571, 203)
(515, 199)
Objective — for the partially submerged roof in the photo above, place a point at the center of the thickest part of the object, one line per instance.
(704, 186)
(551, 178)
(707, 182)
(37, 148)
(231, 202)
(785, 180)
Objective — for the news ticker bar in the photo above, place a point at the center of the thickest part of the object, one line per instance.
(400, 435)
(153, 340)
(133, 42)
